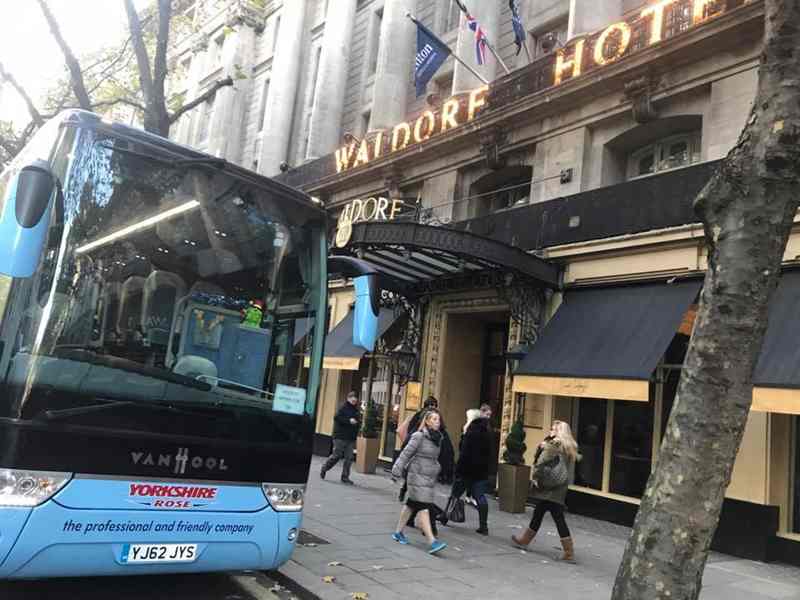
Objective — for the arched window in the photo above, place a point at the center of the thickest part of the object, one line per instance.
(500, 190)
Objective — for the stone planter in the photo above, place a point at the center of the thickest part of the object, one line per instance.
(367, 454)
(513, 484)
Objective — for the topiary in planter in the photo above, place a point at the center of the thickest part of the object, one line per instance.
(369, 427)
(514, 453)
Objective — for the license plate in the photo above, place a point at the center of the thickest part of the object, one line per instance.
(158, 553)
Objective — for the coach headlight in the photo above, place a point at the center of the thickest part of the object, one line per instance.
(29, 488)
(285, 497)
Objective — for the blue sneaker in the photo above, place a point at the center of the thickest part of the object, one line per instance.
(437, 547)
(399, 537)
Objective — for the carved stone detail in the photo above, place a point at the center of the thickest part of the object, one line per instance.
(201, 43)
(492, 139)
(392, 176)
(245, 12)
(640, 93)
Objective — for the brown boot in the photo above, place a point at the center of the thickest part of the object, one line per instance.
(524, 539)
(569, 549)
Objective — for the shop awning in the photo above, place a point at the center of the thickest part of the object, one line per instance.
(776, 378)
(340, 353)
(606, 342)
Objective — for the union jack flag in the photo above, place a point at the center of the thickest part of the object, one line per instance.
(480, 36)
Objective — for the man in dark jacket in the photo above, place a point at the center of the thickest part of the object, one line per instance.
(345, 431)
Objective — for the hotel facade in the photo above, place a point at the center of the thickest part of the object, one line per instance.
(551, 209)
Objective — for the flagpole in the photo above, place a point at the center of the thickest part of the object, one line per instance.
(496, 55)
(527, 51)
(489, 45)
(456, 57)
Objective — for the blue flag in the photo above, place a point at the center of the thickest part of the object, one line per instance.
(431, 54)
(516, 21)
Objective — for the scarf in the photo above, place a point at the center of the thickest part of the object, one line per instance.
(435, 436)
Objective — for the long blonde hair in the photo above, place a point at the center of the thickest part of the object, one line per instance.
(568, 443)
(472, 414)
(423, 422)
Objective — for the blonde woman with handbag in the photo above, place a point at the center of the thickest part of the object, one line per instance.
(553, 471)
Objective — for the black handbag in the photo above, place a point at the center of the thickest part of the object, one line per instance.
(455, 510)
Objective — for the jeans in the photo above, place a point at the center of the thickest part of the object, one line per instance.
(557, 512)
(342, 450)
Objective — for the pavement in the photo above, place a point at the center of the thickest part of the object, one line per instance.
(349, 554)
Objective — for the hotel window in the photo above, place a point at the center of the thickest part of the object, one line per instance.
(275, 33)
(218, 47)
(451, 14)
(666, 154)
(262, 114)
(365, 119)
(548, 39)
(375, 42)
(205, 121)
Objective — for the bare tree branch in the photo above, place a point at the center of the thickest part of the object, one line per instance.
(139, 48)
(32, 110)
(75, 75)
(208, 94)
(125, 101)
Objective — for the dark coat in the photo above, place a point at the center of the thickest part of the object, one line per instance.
(475, 453)
(343, 429)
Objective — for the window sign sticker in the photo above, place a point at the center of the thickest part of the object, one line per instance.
(289, 399)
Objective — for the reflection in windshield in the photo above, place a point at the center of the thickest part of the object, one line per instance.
(169, 285)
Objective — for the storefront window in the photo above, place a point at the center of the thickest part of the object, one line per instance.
(632, 447)
(591, 432)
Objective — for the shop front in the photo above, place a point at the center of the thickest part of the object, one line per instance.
(609, 363)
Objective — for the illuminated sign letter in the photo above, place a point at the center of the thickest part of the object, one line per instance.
(370, 209)
(362, 157)
(624, 41)
(379, 144)
(380, 213)
(405, 130)
(700, 13)
(343, 157)
(477, 100)
(575, 63)
(449, 114)
(397, 206)
(657, 26)
(426, 120)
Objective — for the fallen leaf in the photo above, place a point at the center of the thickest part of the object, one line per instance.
(335, 563)
(329, 579)
(310, 545)
(377, 567)
(359, 595)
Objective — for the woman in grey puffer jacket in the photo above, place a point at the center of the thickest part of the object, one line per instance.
(420, 458)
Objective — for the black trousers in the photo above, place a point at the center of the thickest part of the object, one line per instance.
(557, 512)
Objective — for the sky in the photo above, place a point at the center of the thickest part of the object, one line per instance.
(29, 52)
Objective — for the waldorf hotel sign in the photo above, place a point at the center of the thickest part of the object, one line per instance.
(371, 209)
(653, 23)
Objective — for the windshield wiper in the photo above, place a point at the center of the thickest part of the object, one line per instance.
(66, 413)
(176, 163)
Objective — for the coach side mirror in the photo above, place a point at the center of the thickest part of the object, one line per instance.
(365, 321)
(25, 212)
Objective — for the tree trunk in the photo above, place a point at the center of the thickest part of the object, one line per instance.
(151, 121)
(747, 210)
